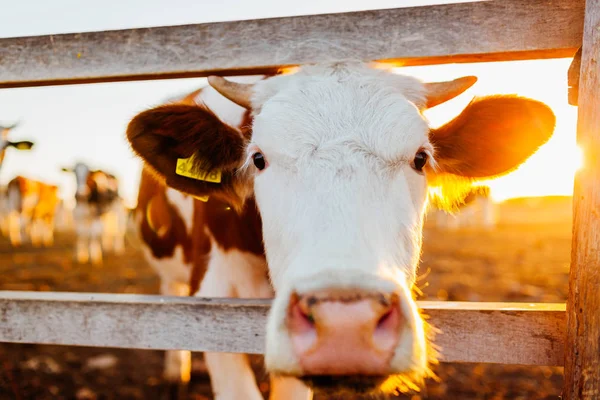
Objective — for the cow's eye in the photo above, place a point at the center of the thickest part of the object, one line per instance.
(259, 161)
(420, 161)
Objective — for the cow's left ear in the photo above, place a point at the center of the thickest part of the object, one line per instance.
(491, 137)
(192, 151)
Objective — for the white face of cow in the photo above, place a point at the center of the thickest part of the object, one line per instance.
(342, 206)
(340, 152)
(339, 162)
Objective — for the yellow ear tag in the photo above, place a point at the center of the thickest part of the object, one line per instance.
(185, 167)
(201, 198)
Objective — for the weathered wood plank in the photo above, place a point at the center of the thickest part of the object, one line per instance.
(582, 361)
(479, 31)
(503, 333)
(470, 332)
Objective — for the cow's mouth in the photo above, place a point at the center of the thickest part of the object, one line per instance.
(351, 384)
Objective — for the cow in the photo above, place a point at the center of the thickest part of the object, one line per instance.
(476, 209)
(331, 176)
(5, 143)
(31, 207)
(99, 215)
(165, 221)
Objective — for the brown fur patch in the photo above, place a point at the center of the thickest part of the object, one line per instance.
(163, 229)
(492, 136)
(230, 229)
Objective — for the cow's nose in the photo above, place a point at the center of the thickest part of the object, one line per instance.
(345, 333)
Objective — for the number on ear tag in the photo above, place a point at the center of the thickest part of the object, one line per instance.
(185, 167)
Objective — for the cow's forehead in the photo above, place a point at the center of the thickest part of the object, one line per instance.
(349, 107)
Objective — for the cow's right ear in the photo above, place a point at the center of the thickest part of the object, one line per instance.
(193, 151)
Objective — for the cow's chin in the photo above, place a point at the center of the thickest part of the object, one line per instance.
(363, 385)
(335, 385)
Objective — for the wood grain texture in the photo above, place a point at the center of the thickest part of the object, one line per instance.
(468, 32)
(470, 332)
(582, 361)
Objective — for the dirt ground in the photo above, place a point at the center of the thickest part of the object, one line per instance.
(526, 259)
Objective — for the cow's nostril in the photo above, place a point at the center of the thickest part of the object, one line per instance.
(389, 310)
(385, 317)
(389, 322)
(305, 313)
(300, 315)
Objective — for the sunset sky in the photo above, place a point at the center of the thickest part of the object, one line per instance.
(87, 122)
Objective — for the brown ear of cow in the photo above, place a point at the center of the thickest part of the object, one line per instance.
(491, 137)
(162, 135)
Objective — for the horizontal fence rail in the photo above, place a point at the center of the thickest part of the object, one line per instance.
(488, 30)
(509, 333)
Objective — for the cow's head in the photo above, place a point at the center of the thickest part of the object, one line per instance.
(94, 185)
(5, 143)
(82, 172)
(338, 159)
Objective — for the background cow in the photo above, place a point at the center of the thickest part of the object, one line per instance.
(476, 210)
(99, 215)
(30, 207)
(338, 162)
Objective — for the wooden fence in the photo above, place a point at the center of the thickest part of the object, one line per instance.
(530, 334)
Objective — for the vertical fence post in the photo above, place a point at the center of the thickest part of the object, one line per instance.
(582, 355)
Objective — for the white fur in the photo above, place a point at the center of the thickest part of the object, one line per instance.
(340, 203)
(233, 274)
(184, 205)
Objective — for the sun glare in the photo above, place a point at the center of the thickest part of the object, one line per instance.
(550, 171)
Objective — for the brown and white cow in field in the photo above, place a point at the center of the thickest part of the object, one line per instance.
(99, 215)
(332, 176)
(31, 207)
(475, 210)
(5, 144)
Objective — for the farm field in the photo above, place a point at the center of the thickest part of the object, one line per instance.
(525, 259)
